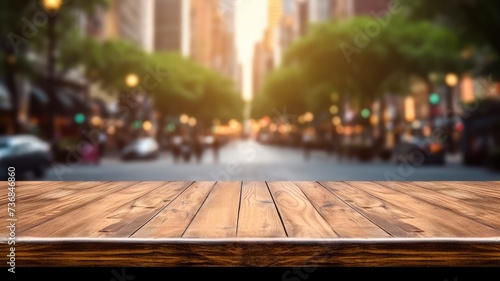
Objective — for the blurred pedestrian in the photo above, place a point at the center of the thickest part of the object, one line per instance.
(307, 139)
(186, 149)
(176, 147)
(102, 143)
(216, 147)
(197, 148)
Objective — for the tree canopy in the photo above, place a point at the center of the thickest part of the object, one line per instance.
(178, 85)
(357, 59)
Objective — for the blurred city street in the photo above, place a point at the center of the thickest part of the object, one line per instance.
(278, 89)
(251, 161)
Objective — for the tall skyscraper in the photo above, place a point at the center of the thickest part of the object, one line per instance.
(128, 20)
(321, 10)
(213, 38)
(264, 51)
(367, 7)
(275, 12)
(172, 26)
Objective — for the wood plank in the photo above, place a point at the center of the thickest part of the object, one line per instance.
(465, 194)
(475, 209)
(479, 189)
(27, 188)
(436, 219)
(256, 253)
(390, 218)
(298, 214)
(258, 214)
(87, 220)
(40, 205)
(47, 206)
(175, 218)
(57, 191)
(218, 216)
(343, 219)
(137, 212)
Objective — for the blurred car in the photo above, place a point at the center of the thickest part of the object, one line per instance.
(26, 154)
(142, 148)
(411, 150)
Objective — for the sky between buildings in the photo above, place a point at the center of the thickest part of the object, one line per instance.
(251, 20)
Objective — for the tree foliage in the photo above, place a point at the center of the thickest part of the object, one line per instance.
(358, 58)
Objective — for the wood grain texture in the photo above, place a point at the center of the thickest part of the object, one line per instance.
(391, 219)
(256, 224)
(133, 215)
(479, 189)
(258, 253)
(481, 209)
(218, 216)
(258, 215)
(343, 219)
(298, 214)
(89, 219)
(438, 221)
(27, 191)
(45, 204)
(175, 218)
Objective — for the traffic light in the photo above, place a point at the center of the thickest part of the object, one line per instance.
(435, 110)
(79, 118)
(365, 113)
(137, 124)
(434, 99)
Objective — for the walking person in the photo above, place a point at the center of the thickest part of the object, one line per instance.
(216, 146)
(176, 147)
(307, 138)
(197, 148)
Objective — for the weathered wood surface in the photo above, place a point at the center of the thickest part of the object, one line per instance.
(255, 223)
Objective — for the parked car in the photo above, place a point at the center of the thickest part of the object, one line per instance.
(142, 148)
(25, 153)
(420, 150)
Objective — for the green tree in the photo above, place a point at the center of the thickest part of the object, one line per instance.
(23, 29)
(283, 90)
(476, 23)
(358, 61)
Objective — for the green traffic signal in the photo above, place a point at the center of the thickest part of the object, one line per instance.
(365, 113)
(137, 124)
(434, 99)
(79, 118)
(171, 127)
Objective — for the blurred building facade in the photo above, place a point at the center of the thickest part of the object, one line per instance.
(172, 26)
(212, 39)
(321, 10)
(128, 20)
(264, 51)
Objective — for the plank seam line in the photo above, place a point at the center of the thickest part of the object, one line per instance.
(385, 201)
(197, 211)
(461, 186)
(277, 210)
(464, 215)
(317, 211)
(403, 207)
(129, 184)
(163, 208)
(345, 202)
(239, 208)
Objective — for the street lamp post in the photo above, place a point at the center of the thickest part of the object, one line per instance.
(53, 6)
(451, 82)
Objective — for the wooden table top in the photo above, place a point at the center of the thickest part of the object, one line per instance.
(255, 223)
